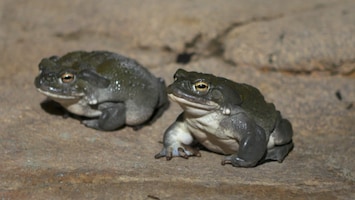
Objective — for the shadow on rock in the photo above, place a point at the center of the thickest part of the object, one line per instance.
(54, 108)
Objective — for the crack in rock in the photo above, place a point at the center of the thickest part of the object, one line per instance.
(200, 46)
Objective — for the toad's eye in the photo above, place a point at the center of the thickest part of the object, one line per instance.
(201, 86)
(67, 77)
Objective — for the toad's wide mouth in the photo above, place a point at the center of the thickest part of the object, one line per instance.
(186, 103)
(60, 96)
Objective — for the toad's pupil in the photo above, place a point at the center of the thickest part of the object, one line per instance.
(67, 78)
(201, 86)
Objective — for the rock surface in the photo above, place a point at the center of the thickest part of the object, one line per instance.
(300, 54)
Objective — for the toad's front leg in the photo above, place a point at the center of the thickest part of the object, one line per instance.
(113, 117)
(252, 142)
(177, 140)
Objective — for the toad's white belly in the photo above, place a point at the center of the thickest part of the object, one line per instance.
(207, 131)
(79, 107)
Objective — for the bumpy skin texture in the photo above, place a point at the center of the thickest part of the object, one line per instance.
(109, 89)
(225, 117)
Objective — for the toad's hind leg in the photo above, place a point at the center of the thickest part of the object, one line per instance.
(280, 143)
(279, 153)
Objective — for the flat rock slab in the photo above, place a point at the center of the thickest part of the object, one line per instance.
(319, 39)
(309, 78)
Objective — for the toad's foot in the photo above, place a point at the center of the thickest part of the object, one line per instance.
(179, 151)
(92, 123)
(237, 162)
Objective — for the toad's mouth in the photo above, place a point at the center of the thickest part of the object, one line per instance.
(60, 96)
(185, 103)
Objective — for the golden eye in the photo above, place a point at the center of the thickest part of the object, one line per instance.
(201, 86)
(67, 77)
